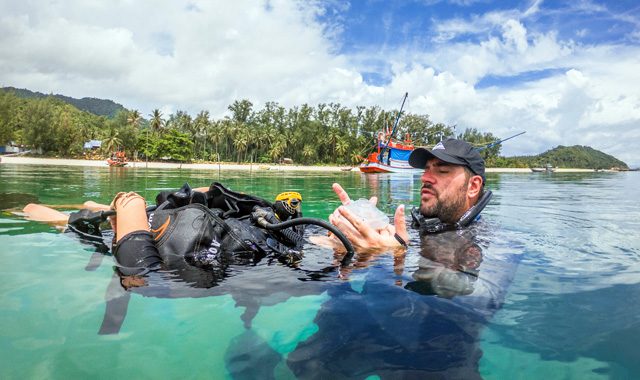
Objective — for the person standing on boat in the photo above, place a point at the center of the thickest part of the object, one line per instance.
(452, 196)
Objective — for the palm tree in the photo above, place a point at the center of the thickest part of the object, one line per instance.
(133, 118)
(308, 152)
(342, 146)
(157, 122)
(241, 142)
(333, 135)
(198, 131)
(112, 141)
(276, 149)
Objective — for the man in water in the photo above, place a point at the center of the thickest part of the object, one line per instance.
(452, 183)
(423, 324)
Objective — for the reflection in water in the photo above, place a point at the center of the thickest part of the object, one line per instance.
(429, 327)
(448, 265)
(392, 189)
(252, 282)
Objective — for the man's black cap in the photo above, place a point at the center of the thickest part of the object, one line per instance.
(453, 151)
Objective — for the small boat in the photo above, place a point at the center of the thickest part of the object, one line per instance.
(547, 169)
(117, 159)
(391, 155)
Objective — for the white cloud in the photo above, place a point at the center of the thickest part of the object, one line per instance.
(204, 55)
(207, 54)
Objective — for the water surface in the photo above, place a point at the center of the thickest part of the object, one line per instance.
(557, 293)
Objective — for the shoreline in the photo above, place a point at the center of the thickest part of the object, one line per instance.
(223, 166)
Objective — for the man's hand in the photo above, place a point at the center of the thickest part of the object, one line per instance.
(363, 237)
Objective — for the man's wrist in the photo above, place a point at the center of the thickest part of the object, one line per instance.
(400, 240)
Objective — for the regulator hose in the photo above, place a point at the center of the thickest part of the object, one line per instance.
(321, 223)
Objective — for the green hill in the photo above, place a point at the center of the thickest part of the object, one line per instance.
(100, 107)
(577, 156)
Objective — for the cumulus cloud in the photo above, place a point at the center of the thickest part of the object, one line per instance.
(166, 54)
(204, 55)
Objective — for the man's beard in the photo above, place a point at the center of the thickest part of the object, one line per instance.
(447, 210)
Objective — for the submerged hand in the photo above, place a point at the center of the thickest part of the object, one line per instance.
(362, 235)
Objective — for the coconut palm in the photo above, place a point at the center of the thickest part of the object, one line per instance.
(156, 122)
(112, 142)
(241, 142)
(342, 146)
(134, 118)
(199, 129)
(308, 152)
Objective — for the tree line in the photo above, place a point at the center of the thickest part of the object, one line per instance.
(322, 134)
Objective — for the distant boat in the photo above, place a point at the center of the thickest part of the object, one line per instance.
(391, 155)
(547, 169)
(117, 159)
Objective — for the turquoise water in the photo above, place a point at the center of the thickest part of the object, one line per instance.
(557, 293)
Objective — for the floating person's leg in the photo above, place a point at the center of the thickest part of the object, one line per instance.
(94, 206)
(131, 214)
(135, 249)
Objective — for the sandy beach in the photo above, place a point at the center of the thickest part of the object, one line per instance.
(218, 166)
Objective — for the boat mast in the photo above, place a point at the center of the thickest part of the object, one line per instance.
(395, 126)
(491, 145)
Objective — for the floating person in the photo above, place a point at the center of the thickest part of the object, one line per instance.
(191, 235)
(199, 225)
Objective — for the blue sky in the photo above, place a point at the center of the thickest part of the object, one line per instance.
(567, 72)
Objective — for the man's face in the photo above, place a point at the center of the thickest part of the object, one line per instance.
(444, 191)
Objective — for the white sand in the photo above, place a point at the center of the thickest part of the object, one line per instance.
(221, 166)
(165, 165)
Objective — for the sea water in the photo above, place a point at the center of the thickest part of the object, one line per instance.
(546, 286)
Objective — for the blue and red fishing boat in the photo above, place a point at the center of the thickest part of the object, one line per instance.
(391, 155)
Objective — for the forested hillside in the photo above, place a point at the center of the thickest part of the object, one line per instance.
(577, 156)
(100, 107)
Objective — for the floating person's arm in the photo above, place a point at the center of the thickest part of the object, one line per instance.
(49, 214)
(42, 213)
